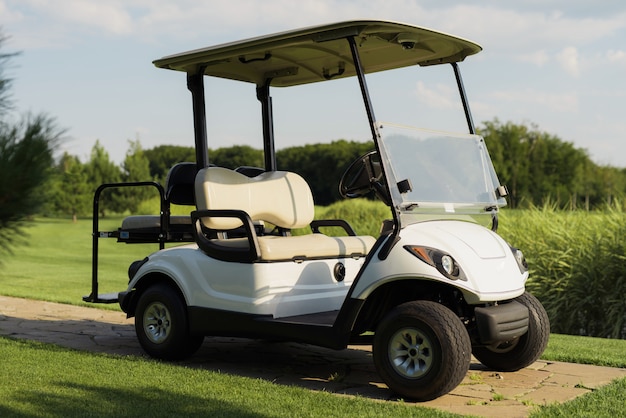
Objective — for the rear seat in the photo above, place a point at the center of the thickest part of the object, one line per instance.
(179, 188)
(280, 198)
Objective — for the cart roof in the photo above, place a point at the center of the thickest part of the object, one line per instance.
(321, 53)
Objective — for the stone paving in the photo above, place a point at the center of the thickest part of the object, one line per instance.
(349, 372)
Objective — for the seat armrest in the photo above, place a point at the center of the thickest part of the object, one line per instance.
(320, 223)
(221, 252)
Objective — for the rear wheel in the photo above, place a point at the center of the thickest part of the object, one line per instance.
(161, 324)
(421, 350)
(521, 352)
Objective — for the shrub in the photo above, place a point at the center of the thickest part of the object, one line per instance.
(577, 266)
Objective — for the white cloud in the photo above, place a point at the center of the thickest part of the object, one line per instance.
(439, 97)
(569, 61)
(538, 58)
(567, 103)
(616, 56)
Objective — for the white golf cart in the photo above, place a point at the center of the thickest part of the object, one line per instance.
(435, 286)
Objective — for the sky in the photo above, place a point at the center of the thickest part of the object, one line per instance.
(557, 64)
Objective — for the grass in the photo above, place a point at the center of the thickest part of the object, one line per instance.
(586, 350)
(43, 380)
(607, 401)
(576, 263)
(56, 264)
(47, 381)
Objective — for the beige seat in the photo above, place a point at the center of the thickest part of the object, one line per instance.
(280, 198)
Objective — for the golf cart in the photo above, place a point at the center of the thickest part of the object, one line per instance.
(434, 287)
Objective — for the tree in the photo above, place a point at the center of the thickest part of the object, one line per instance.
(237, 156)
(100, 170)
(69, 191)
(538, 167)
(163, 157)
(322, 165)
(26, 154)
(5, 82)
(135, 168)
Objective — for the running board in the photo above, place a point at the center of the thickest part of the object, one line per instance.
(323, 319)
(103, 298)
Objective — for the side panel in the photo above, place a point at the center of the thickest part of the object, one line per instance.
(279, 289)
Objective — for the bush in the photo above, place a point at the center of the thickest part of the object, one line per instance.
(577, 266)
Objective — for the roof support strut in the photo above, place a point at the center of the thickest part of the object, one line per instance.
(195, 84)
(369, 108)
(466, 108)
(263, 95)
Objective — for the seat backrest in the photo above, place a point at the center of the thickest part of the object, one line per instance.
(281, 198)
(179, 184)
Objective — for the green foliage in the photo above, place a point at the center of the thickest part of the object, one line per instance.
(322, 165)
(5, 82)
(577, 266)
(163, 157)
(537, 166)
(26, 155)
(237, 156)
(135, 168)
(365, 216)
(68, 190)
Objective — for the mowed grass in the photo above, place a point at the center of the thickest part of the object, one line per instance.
(56, 266)
(41, 380)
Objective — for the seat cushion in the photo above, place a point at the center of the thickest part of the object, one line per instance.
(275, 248)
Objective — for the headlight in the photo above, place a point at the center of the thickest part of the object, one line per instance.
(521, 260)
(443, 262)
(448, 265)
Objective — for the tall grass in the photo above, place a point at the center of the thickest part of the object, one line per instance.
(577, 263)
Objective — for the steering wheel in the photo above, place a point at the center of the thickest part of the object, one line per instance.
(362, 176)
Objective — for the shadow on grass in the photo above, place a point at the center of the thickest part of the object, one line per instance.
(349, 371)
(66, 400)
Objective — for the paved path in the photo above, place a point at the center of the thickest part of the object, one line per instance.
(482, 393)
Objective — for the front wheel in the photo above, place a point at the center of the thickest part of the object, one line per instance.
(421, 350)
(161, 324)
(521, 352)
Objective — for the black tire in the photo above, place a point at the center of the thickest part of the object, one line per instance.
(161, 324)
(421, 350)
(525, 350)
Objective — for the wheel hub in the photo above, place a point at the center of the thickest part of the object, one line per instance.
(410, 353)
(157, 322)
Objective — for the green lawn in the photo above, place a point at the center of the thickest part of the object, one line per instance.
(56, 264)
(46, 381)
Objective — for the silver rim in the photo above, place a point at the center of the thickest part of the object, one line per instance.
(157, 322)
(410, 353)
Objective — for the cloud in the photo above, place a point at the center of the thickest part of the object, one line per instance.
(538, 58)
(513, 29)
(569, 61)
(440, 97)
(567, 103)
(616, 56)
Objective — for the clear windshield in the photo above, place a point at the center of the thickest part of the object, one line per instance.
(434, 175)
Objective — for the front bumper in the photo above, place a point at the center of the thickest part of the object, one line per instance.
(501, 323)
(126, 301)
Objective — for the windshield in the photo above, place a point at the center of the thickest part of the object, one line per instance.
(434, 175)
